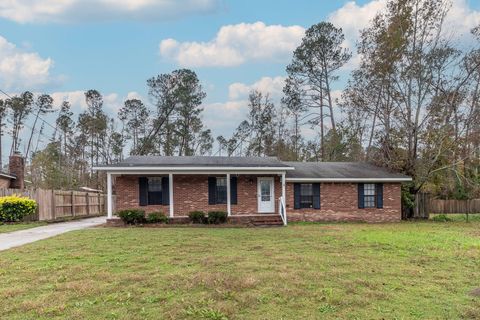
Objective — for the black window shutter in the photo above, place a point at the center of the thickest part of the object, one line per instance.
(212, 190)
(379, 192)
(165, 191)
(316, 195)
(296, 195)
(233, 190)
(361, 202)
(143, 191)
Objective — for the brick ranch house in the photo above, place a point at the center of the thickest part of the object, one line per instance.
(252, 187)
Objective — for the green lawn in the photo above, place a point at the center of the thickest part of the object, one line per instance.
(19, 226)
(460, 217)
(309, 271)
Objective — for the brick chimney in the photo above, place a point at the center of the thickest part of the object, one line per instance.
(16, 167)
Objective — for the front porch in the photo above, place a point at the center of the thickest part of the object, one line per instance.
(248, 197)
(248, 220)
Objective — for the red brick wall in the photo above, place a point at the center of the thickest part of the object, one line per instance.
(127, 195)
(339, 202)
(247, 194)
(190, 193)
(16, 167)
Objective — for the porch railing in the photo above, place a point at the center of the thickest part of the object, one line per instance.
(282, 210)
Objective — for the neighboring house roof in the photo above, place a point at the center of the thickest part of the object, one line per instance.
(7, 175)
(341, 171)
(90, 189)
(195, 162)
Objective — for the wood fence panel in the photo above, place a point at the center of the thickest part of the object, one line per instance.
(60, 204)
(421, 208)
(44, 197)
(454, 206)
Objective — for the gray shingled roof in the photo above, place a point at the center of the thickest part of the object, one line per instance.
(8, 175)
(200, 161)
(340, 170)
(303, 170)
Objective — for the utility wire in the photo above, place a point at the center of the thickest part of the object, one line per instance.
(39, 117)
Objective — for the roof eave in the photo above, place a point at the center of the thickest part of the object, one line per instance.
(179, 168)
(8, 176)
(291, 179)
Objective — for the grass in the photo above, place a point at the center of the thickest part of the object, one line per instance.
(9, 227)
(305, 271)
(460, 217)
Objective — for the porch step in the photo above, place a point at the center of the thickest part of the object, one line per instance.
(260, 220)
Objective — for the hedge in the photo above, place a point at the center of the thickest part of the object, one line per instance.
(15, 208)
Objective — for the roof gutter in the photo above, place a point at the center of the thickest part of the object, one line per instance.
(7, 176)
(348, 179)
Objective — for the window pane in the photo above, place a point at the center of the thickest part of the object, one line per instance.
(265, 190)
(306, 189)
(154, 190)
(369, 201)
(222, 182)
(155, 184)
(154, 197)
(221, 190)
(369, 189)
(306, 195)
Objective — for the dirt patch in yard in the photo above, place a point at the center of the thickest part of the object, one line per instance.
(475, 292)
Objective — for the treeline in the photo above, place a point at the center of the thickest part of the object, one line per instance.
(172, 126)
(411, 105)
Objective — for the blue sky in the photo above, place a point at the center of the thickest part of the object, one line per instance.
(114, 46)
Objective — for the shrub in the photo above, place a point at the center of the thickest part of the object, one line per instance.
(15, 208)
(157, 217)
(217, 217)
(132, 216)
(441, 218)
(197, 216)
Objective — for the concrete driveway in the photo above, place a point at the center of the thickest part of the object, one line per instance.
(21, 237)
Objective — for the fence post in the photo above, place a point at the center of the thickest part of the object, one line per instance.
(73, 203)
(468, 208)
(99, 204)
(88, 204)
(54, 207)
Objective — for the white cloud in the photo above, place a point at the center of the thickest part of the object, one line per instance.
(235, 44)
(272, 86)
(352, 18)
(75, 98)
(66, 11)
(461, 18)
(112, 102)
(223, 117)
(20, 70)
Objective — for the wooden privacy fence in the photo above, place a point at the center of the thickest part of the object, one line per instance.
(454, 206)
(59, 204)
(425, 205)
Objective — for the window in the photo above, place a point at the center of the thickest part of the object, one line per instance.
(369, 195)
(306, 195)
(154, 190)
(221, 190)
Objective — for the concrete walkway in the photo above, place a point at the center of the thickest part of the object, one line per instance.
(19, 238)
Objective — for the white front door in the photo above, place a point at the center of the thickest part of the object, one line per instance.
(265, 195)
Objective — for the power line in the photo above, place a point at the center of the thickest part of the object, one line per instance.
(39, 117)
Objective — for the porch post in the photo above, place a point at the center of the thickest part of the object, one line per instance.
(229, 205)
(109, 196)
(170, 189)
